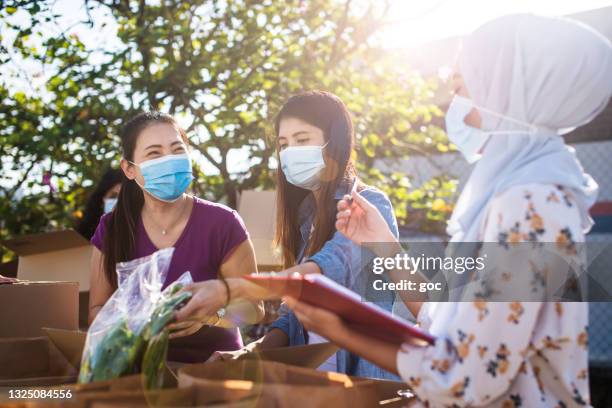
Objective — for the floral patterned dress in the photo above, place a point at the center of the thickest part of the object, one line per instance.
(508, 354)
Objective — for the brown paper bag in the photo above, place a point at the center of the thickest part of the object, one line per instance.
(216, 397)
(280, 385)
(259, 372)
(187, 397)
(244, 394)
(131, 385)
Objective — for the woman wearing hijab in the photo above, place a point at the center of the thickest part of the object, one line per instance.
(522, 81)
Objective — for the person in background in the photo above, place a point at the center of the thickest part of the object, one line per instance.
(522, 81)
(315, 145)
(101, 201)
(154, 211)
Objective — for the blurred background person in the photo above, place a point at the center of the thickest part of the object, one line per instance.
(101, 201)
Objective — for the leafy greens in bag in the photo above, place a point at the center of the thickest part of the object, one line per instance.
(129, 334)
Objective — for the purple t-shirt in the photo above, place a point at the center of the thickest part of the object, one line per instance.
(212, 232)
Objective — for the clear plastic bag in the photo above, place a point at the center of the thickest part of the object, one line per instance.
(131, 325)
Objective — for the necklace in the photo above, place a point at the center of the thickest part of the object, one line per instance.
(164, 231)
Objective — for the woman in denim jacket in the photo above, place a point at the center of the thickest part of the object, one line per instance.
(315, 144)
(341, 260)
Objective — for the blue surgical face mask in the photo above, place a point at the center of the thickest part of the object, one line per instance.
(109, 204)
(469, 140)
(302, 165)
(166, 178)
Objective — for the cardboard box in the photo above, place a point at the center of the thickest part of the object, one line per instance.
(33, 361)
(71, 342)
(26, 307)
(258, 210)
(308, 356)
(53, 256)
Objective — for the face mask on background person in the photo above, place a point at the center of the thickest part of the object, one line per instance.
(109, 204)
(302, 165)
(470, 140)
(166, 178)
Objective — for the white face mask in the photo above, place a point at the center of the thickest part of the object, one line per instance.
(302, 165)
(109, 204)
(470, 140)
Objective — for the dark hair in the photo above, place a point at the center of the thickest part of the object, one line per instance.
(95, 204)
(327, 112)
(121, 228)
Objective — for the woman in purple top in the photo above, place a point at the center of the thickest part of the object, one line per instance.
(154, 212)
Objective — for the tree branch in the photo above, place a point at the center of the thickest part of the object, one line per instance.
(11, 192)
(342, 24)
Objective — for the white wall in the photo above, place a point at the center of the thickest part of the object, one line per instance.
(596, 158)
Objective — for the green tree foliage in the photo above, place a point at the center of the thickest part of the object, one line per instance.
(223, 68)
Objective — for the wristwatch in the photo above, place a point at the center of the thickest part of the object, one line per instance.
(221, 314)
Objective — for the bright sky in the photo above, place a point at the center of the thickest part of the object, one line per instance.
(421, 21)
(413, 22)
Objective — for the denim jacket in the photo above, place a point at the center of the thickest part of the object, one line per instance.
(341, 260)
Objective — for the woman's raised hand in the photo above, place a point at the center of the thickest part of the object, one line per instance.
(361, 222)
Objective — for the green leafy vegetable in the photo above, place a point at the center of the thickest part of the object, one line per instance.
(119, 352)
(115, 356)
(154, 360)
(164, 313)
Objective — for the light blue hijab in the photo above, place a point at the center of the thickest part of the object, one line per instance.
(552, 73)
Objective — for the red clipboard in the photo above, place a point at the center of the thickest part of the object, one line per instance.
(366, 318)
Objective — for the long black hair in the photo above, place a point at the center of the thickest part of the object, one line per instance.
(327, 112)
(95, 204)
(121, 229)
